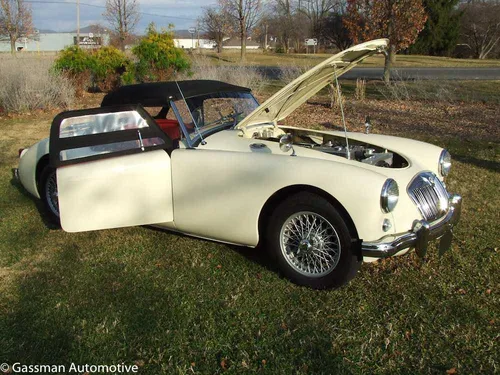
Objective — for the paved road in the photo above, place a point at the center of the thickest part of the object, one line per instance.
(410, 73)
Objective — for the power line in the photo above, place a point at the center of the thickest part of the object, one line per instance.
(103, 7)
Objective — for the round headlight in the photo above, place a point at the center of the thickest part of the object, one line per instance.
(444, 163)
(389, 195)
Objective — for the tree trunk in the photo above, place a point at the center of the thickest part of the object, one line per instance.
(243, 35)
(390, 57)
(219, 43)
(393, 54)
(13, 45)
(122, 41)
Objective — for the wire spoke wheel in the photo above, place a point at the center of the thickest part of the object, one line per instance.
(51, 193)
(310, 244)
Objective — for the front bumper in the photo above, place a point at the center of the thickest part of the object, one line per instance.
(419, 236)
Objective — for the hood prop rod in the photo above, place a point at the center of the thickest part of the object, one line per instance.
(339, 96)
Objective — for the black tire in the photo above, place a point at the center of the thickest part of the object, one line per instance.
(46, 186)
(331, 246)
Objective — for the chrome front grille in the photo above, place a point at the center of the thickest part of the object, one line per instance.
(429, 195)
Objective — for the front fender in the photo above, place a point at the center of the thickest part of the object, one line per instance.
(28, 164)
(220, 194)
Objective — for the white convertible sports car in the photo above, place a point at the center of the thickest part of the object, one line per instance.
(205, 159)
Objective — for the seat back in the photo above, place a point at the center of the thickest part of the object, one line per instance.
(170, 128)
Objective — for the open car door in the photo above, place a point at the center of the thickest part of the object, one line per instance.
(113, 168)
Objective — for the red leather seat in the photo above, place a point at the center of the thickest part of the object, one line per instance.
(170, 128)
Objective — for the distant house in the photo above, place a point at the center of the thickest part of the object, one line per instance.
(184, 39)
(235, 43)
(52, 41)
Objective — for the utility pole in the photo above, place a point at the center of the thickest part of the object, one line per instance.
(198, 35)
(265, 42)
(78, 23)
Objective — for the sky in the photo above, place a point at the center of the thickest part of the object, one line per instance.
(60, 15)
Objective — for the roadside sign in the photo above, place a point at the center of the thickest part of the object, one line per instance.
(311, 42)
(192, 30)
(91, 35)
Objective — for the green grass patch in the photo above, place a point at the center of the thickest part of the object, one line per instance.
(422, 90)
(280, 59)
(178, 305)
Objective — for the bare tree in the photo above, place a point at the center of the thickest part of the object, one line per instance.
(334, 31)
(246, 14)
(123, 16)
(481, 26)
(15, 21)
(285, 19)
(316, 11)
(216, 25)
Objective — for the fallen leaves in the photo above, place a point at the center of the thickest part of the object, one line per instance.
(139, 363)
(464, 120)
(408, 335)
(223, 364)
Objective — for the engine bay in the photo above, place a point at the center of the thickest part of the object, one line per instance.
(336, 145)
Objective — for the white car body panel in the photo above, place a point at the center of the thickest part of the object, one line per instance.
(214, 199)
(116, 192)
(28, 164)
(202, 171)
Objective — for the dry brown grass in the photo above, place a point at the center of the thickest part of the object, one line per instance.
(246, 76)
(462, 120)
(360, 92)
(29, 84)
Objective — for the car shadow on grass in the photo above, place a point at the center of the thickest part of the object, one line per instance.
(74, 307)
(258, 255)
(490, 165)
(42, 210)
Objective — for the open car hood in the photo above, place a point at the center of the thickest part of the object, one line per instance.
(285, 101)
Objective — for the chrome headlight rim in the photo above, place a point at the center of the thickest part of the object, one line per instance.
(389, 196)
(444, 163)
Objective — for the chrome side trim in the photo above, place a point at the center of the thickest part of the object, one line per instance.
(419, 237)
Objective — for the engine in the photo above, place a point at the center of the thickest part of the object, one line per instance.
(369, 155)
(334, 145)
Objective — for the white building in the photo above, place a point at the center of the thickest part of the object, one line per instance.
(187, 40)
(54, 41)
(235, 43)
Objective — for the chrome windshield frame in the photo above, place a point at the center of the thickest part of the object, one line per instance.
(195, 141)
(181, 124)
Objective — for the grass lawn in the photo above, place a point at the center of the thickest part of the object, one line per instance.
(177, 305)
(487, 91)
(277, 59)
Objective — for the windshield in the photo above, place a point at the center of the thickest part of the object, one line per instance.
(215, 112)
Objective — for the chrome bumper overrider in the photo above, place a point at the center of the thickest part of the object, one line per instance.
(419, 236)
(15, 173)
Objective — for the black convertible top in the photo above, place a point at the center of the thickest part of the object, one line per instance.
(157, 94)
